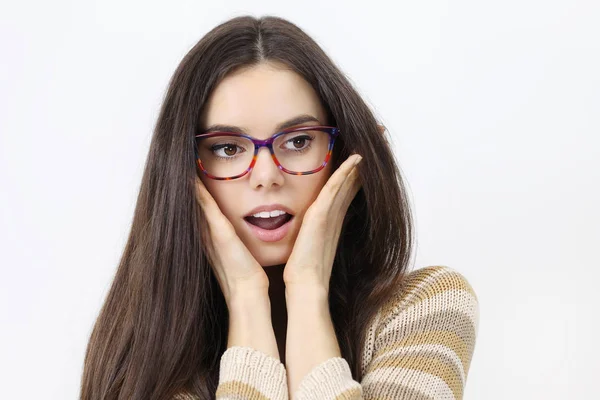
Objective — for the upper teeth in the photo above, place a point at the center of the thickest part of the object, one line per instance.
(267, 214)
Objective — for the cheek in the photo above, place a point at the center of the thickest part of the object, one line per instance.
(225, 196)
(309, 189)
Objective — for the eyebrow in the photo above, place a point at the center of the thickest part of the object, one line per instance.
(300, 119)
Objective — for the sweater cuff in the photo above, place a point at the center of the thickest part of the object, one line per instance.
(329, 380)
(249, 372)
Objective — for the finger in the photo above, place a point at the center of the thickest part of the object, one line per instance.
(328, 194)
(347, 176)
(348, 191)
(200, 191)
(207, 202)
(352, 183)
(205, 199)
(335, 182)
(216, 219)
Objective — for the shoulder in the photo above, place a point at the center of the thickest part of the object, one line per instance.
(432, 299)
(439, 284)
(423, 337)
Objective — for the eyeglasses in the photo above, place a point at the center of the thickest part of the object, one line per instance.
(297, 151)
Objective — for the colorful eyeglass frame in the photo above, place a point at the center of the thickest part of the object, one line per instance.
(331, 130)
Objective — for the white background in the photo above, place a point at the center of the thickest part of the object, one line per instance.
(494, 112)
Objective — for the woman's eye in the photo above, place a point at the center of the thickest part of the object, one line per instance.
(228, 150)
(298, 143)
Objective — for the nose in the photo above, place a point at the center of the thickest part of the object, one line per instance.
(265, 172)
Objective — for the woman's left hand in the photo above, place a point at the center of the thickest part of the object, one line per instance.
(312, 256)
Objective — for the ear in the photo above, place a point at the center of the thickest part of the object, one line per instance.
(380, 128)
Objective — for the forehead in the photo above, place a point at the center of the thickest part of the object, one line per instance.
(259, 98)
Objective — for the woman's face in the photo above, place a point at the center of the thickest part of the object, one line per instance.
(257, 100)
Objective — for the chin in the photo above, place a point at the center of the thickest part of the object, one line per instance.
(269, 257)
(269, 254)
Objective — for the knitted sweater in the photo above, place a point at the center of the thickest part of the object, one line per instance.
(418, 346)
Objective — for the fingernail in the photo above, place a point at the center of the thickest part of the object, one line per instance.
(358, 159)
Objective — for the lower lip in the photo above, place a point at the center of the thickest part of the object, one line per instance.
(273, 235)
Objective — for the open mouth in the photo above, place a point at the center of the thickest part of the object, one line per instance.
(270, 223)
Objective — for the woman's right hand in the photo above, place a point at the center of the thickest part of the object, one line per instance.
(237, 271)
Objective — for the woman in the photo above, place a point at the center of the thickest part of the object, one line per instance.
(277, 272)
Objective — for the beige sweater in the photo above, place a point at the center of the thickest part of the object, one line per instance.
(419, 346)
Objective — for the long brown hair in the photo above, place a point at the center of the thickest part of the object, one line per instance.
(163, 326)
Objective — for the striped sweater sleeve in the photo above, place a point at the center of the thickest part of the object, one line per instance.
(248, 374)
(424, 342)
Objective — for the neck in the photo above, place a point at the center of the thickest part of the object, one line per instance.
(275, 274)
(278, 305)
